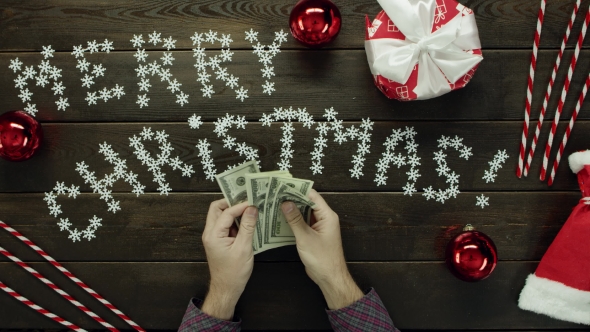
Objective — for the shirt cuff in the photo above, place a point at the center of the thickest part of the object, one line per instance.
(196, 320)
(366, 314)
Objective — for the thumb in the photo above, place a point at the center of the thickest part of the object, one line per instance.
(247, 227)
(295, 219)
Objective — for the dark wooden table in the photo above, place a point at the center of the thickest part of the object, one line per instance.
(148, 258)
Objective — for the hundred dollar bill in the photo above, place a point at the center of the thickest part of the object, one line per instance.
(280, 229)
(286, 193)
(276, 228)
(233, 182)
(256, 188)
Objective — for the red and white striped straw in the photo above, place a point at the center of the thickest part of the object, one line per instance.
(568, 131)
(39, 309)
(550, 87)
(57, 289)
(563, 95)
(70, 275)
(529, 91)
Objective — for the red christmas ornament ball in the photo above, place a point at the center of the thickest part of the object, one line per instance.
(20, 136)
(471, 255)
(314, 23)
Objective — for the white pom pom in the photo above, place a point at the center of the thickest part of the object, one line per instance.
(577, 160)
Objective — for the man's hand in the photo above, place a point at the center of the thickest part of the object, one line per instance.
(229, 255)
(320, 249)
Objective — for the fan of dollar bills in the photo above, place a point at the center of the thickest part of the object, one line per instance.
(267, 191)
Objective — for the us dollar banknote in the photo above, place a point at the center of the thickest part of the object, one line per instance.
(256, 189)
(277, 229)
(233, 182)
(266, 191)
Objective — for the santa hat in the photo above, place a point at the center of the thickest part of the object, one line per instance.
(560, 287)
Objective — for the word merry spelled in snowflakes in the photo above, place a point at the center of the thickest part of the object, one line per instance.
(207, 66)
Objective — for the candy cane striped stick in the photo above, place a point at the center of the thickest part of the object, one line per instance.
(550, 86)
(70, 275)
(40, 310)
(57, 289)
(568, 131)
(529, 91)
(563, 95)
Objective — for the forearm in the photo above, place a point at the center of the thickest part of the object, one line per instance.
(219, 303)
(340, 291)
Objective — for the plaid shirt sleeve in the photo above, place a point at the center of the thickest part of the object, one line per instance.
(196, 320)
(366, 314)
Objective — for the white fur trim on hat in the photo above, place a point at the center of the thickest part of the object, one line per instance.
(555, 299)
(578, 160)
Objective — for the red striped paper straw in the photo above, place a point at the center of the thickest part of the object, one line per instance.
(57, 289)
(529, 91)
(39, 309)
(563, 95)
(550, 86)
(70, 275)
(568, 131)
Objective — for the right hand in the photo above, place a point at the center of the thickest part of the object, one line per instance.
(320, 250)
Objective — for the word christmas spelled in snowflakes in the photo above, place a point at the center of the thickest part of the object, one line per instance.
(401, 139)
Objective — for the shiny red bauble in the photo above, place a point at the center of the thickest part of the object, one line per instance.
(471, 255)
(20, 136)
(315, 23)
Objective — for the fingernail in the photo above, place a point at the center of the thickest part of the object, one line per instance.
(287, 207)
(251, 211)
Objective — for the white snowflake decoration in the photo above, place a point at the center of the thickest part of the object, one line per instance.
(214, 63)
(62, 103)
(103, 186)
(288, 115)
(363, 148)
(42, 78)
(155, 38)
(482, 201)
(94, 71)
(144, 71)
(266, 54)
(222, 125)
(47, 52)
(195, 121)
(443, 170)
(495, 165)
(206, 160)
(390, 158)
(323, 128)
(15, 65)
(163, 158)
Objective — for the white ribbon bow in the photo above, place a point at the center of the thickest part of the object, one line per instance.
(586, 200)
(440, 55)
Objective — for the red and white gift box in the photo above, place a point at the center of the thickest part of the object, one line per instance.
(421, 49)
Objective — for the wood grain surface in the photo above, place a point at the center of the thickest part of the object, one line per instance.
(419, 295)
(67, 144)
(148, 258)
(375, 226)
(26, 26)
(336, 78)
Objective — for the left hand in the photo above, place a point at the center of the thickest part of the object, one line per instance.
(230, 257)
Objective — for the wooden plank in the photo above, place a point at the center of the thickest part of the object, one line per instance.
(281, 296)
(339, 79)
(375, 226)
(67, 144)
(62, 23)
